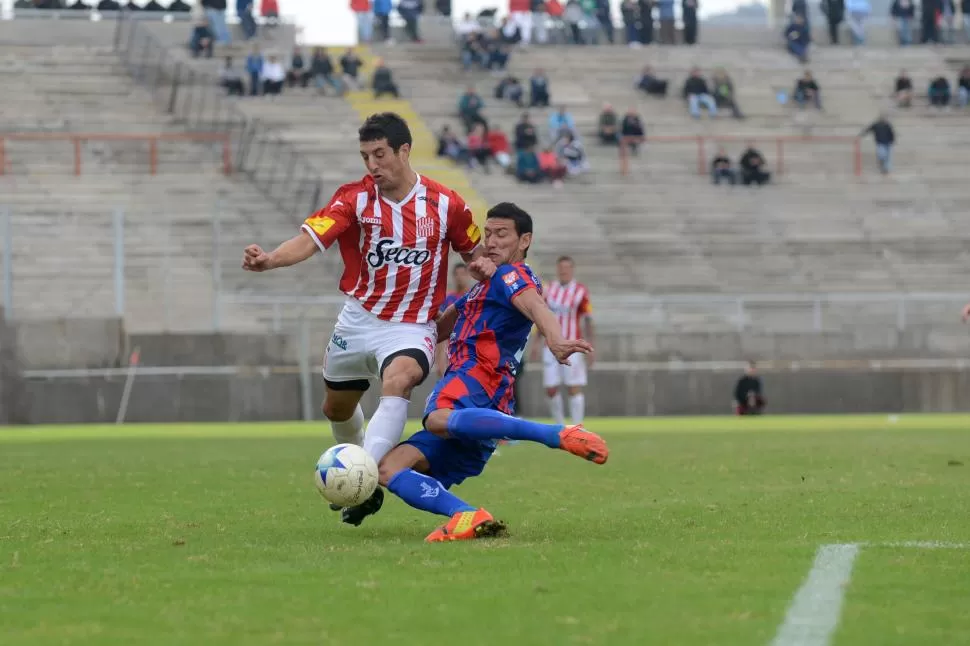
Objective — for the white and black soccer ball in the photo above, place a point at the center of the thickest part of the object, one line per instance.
(346, 475)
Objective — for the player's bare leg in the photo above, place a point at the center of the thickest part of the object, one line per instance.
(577, 404)
(483, 424)
(399, 376)
(554, 399)
(342, 407)
(404, 472)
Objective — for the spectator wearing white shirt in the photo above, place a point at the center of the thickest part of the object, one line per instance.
(273, 76)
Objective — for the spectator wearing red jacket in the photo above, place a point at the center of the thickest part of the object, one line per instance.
(365, 19)
(498, 143)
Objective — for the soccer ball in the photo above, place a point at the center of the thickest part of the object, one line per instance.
(346, 475)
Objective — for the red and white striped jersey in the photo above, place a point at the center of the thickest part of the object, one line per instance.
(395, 253)
(570, 302)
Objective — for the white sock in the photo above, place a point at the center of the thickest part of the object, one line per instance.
(350, 431)
(577, 407)
(386, 427)
(555, 408)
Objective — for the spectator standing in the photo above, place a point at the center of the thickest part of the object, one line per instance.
(350, 65)
(965, 12)
(798, 38)
(541, 12)
(721, 168)
(539, 89)
(215, 11)
(646, 21)
(748, 394)
(858, 11)
(807, 90)
(885, 137)
(525, 133)
(254, 67)
(697, 93)
(520, 13)
(753, 167)
(688, 13)
(383, 80)
(604, 15)
(903, 92)
(201, 40)
(668, 34)
(244, 9)
(903, 13)
(834, 11)
(410, 11)
(365, 19)
(382, 14)
(631, 18)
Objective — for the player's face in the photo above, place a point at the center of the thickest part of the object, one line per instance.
(461, 279)
(565, 271)
(502, 244)
(384, 165)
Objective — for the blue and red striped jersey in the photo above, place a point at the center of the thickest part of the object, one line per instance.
(490, 334)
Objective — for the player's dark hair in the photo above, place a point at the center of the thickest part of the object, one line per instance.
(565, 259)
(509, 211)
(386, 125)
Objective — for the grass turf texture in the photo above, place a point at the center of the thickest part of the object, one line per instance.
(697, 531)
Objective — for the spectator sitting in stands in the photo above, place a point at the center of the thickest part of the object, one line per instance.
(323, 71)
(798, 38)
(231, 79)
(650, 84)
(608, 129)
(748, 395)
(525, 133)
(632, 133)
(561, 123)
(470, 108)
(527, 166)
(939, 92)
(539, 90)
(201, 40)
(963, 81)
(552, 167)
(298, 70)
(509, 32)
(696, 93)
(753, 167)
(807, 90)
(474, 50)
(478, 150)
(449, 146)
(383, 80)
(498, 144)
(254, 67)
(724, 95)
(350, 65)
(273, 76)
(468, 26)
(571, 150)
(498, 55)
(510, 88)
(904, 90)
(721, 168)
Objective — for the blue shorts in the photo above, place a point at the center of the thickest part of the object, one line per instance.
(454, 460)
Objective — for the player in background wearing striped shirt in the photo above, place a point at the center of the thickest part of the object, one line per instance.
(393, 229)
(569, 300)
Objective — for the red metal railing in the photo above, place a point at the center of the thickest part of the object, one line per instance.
(853, 146)
(152, 141)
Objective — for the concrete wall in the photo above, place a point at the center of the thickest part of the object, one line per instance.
(11, 385)
(277, 397)
(71, 343)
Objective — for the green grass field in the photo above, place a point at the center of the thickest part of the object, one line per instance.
(697, 531)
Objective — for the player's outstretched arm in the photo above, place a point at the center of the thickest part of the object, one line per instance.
(534, 307)
(293, 251)
(446, 323)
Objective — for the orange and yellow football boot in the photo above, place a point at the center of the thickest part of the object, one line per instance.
(589, 446)
(467, 525)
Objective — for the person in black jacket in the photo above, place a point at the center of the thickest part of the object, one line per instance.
(689, 16)
(753, 167)
(882, 132)
(834, 11)
(748, 393)
(903, 92)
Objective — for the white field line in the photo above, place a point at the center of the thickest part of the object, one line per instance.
(814, 612)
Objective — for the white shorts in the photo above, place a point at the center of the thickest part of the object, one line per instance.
(555, 374)
(361, 343)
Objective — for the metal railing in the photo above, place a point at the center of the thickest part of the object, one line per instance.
(194, 98)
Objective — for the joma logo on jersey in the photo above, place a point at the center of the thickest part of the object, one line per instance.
(430, 200)
(386, 253)
(339, 341)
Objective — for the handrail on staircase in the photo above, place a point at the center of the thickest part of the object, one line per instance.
(285, 176)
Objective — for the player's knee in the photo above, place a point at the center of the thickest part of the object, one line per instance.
(551, 392)
(337, 411)
(437, 422)
(575, 390)
(387, 470)
(401, 382)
